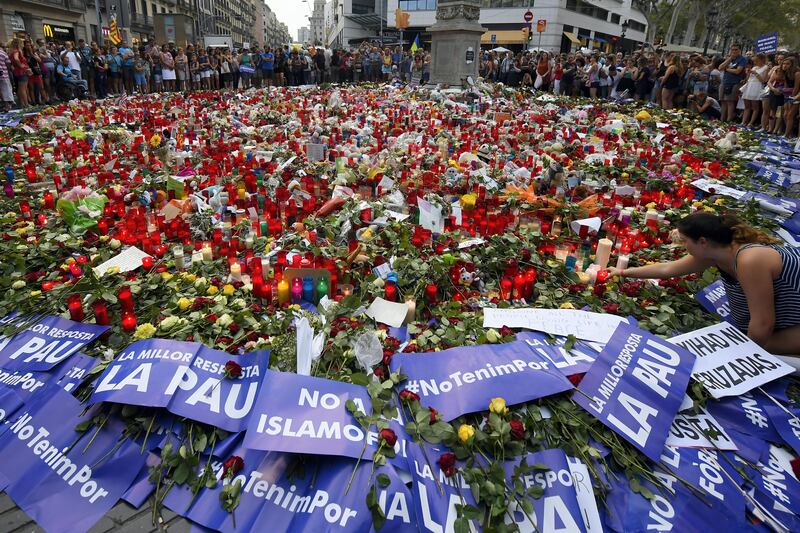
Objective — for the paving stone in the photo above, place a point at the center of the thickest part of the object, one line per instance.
(123, 512)
(6, 503)
(14, 519)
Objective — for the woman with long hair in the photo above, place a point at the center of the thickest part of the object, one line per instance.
(792, 87)
(670, 81)
(21, 71)
(761, 277)
(777, 85)
(756, 79)
(35, 84)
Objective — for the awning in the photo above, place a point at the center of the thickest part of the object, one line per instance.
(600, 40)
(571, 36)
(502, 37)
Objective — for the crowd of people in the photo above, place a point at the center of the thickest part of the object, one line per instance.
(756, 90)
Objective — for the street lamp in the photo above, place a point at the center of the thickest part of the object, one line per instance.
(625, 25)
(711, 17)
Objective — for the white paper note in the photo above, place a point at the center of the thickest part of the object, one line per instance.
(386, 312)
(597, 327)
(128, 260)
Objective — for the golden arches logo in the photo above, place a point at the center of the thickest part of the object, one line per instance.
(47, 29)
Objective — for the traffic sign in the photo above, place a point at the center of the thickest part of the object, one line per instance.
(541, 24)
(528, 16)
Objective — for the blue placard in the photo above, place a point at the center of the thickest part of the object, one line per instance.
(767, 43)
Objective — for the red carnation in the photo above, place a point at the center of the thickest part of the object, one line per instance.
(233, 369)
(389, 437)
(611, 308)
(231, 466)
(447, 462)
(234, 328)
(409, 396)
(517, 429)
(795, 466)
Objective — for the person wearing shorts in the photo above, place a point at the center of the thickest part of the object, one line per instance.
(267, 66)
(205, 69)
(168, 69)
(138, 73)
(732, 76)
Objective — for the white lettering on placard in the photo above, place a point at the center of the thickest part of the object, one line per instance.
(279, 426)
(398, 507)
(427, 520)
(25, 381)
(640, 412)
(40, 351)
(139, 378)
(712, 473)
(655, 366)
(71, 473)
(434, 387)
(662, 512)
(289, 499)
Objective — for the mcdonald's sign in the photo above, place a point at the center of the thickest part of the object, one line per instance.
(58, 33)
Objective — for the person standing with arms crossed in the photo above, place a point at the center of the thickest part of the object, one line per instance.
(732, 75)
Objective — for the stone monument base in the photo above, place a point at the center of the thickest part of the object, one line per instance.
(455, 42)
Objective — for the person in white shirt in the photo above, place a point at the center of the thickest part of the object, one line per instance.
(73, 58)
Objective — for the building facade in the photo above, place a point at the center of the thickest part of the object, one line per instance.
(568, 24)
(60, 20)
(317, 23)
(350, 22)
(304, 35)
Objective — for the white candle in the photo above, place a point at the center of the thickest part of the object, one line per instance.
(622, 261)
(236, 271)
(651, 214)
(178, 253)
(592, 273)
(248, 242)
(412, 310)
(603, 252)
(197, 258)
(207, 253)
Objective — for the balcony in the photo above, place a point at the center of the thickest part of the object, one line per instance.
(141, 21)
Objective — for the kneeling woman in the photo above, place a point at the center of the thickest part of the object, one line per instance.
(761, 277)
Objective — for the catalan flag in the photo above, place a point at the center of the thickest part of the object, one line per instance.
(415, 45)
(113, 32)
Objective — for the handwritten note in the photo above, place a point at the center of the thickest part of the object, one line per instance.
(597, 327)
(390, 313)
(128, 260)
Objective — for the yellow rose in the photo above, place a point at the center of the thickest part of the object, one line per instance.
(111, 271)
(465, 433)
(212, 290)
(625, 175)
(190, 277)
(145, 331)
(166, 276)
(184, 303)
(566, 305)
(34, 294)
(228, 290)
(468, 201)
(498, 406)
(719, 201)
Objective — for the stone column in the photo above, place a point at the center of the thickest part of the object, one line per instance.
(455, 41)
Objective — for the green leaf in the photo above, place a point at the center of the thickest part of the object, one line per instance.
(383, 480)
(461, 525)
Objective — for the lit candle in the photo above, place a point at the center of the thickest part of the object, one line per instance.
(296, 290)
(622, 261)
(147, 262)
(197, 257)
(207, 253)
(236, 271)
(283, 291)
(128, 322)
(322, 289)
(603, 252)
(100, 310)
(75, 307)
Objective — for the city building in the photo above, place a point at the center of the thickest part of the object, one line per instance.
(304, 35)
(61, 20)
(350, 22)
(567, 24)
(269, 31)
(317, 22)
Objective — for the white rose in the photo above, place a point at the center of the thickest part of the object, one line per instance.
(199, 283)
(239, 302)
(225, 320)
(18, 284)
(114, 244)
(169, 323)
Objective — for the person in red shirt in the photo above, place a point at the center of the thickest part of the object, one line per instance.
(21, 70)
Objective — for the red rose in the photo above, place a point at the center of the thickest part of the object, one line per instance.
(434, 415)
(447, 462)
(387, 356)
(233, 369)
(211, 317)
(795, 466)
(600, 289)
(506, 331)
(517, 429)
(409, 396)
(388, 436)
(232, 465)
(379, 373)
(611, 308)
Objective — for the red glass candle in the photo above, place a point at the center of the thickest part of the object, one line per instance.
(128, 322)
(390, 291)
(75, 307)
(49, 203)
(100, 310)
(431, 292)
(506, 287)
(147, 262)
(125, 298)
(519, 286)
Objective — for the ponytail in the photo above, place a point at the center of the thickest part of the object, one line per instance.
(723, 230)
